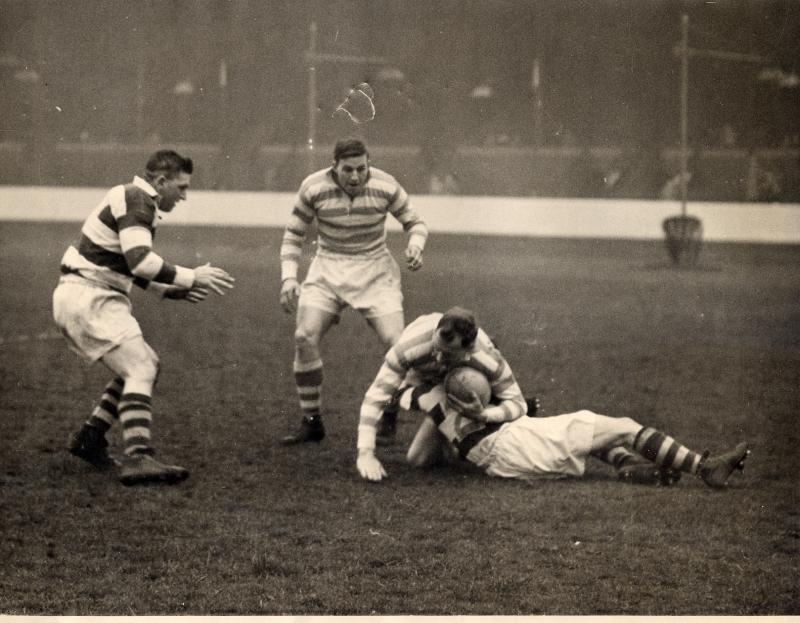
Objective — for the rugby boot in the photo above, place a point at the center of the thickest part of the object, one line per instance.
(387, 429)
(533, 406)
(715, 470)
(310, 429)
(647, 473)
(90, 444)
(138, 469)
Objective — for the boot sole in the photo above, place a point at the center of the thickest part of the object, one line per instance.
(738, 465)
(169, 479)
(103, 463)
(293, 441)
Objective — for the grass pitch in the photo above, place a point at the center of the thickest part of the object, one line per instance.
(710, 355)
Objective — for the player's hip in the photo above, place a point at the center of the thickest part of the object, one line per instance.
(537, 447)
(92, 318)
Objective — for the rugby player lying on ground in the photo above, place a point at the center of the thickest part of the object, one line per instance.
(494, 435)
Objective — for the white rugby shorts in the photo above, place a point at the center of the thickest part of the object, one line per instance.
(535, 447)
(368, 284)
(93, 319)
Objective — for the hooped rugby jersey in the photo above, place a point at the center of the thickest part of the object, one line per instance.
(414, 360)
(354, 226)
(115, 248)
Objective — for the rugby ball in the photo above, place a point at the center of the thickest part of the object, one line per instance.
(460, 381)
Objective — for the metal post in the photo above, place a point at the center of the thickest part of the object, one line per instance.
(537, 102)
(312, 95)
(684, 109)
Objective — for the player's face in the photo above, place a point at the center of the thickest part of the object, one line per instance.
(449, 351)
(352, 173)
(172, 190)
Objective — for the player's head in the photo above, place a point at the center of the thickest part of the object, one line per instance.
(351, 164)
(455, 334)
(169, 173)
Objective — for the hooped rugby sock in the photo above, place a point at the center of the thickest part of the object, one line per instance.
(308, 379)
(664, 451)
(617, 456)
(105, 412)
(135, 415)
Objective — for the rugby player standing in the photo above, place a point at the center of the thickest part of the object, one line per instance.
(92, 309)
(352, 267)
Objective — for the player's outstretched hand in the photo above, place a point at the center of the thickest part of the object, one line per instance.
(290, 292)
(472, 409)
(414, 257)
(194, 294)
(369, 466)
(212, 278)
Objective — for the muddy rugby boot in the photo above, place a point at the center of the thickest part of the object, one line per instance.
(310, 429)
(139, 469)
(90, 444)
(648, 474)
(715, 470)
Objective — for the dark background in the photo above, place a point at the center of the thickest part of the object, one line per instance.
(87, 82)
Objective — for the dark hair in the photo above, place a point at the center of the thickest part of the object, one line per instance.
(168, 163)
(460, 322)
(349, 148)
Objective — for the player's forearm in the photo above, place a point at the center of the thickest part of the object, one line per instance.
(289, 269)
(506, 411)
(146, 264)
(418, 235)
(291, 251)
(367, 432)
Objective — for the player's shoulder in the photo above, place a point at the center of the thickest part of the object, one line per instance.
(486, 352)
(426, 320)
(138, 198)
(317, 184)
(419, 329)
(322, 176)
(125, 199)
(381, 177)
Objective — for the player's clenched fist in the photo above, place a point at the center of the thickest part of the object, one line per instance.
(369, 466)
(413, 257)
(213, 278)
(290, 292)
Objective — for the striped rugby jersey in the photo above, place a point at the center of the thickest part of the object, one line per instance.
(347, 225)
(414, 359)
(115, 247)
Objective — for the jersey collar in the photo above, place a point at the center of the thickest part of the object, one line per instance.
(335, 178)
(145, 186)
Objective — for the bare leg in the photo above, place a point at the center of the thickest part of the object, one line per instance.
(429, 447)
(137, 364)
(389, 328)
(312, 325)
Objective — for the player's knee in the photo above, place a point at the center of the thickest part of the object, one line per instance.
(144, 369)
(628, 427)
(306, 338)
(414, 457)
